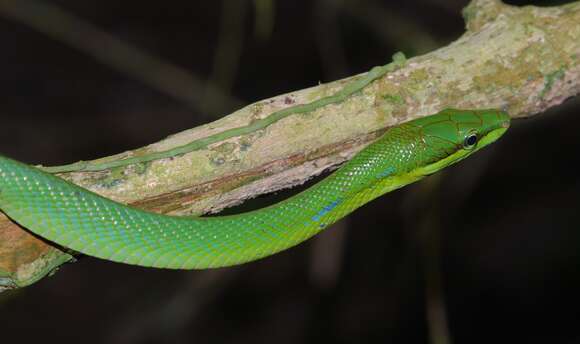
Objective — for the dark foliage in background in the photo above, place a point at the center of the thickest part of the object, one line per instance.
(499, 233)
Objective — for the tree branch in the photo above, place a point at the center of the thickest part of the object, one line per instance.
(521, 59)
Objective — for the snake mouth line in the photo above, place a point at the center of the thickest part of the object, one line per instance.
(493, 135)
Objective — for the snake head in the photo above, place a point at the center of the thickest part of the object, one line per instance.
(452, 135)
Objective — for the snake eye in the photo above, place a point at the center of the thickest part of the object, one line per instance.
(470, 141)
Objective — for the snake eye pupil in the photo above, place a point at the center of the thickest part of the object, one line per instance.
(470, 141)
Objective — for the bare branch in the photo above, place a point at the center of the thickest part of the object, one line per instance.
(524, 60)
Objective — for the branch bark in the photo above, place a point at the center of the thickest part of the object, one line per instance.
(522, 59)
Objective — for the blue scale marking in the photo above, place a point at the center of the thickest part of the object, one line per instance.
(387, 172)
(325, 210)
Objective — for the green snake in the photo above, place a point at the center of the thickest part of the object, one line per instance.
(85, 222)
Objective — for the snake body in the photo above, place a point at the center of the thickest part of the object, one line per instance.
(88, 223)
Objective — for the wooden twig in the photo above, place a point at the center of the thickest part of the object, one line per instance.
(521, 59)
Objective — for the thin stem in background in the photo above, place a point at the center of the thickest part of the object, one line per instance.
(170, 317)
(330, 46)
(326, 256)
(393, 28)
(265, 18)
(227, 54)
(169, 79)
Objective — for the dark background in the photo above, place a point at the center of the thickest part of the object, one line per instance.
(495, 240)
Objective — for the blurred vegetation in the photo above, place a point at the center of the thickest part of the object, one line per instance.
(485, 252)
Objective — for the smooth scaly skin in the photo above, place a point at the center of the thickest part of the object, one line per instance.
(85, 222)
